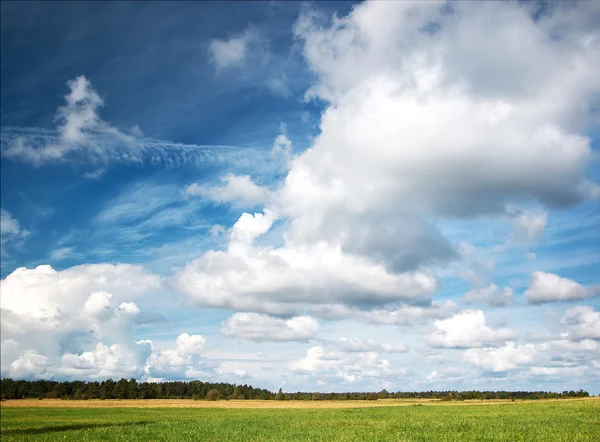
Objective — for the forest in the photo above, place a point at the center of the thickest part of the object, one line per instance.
(198, 390)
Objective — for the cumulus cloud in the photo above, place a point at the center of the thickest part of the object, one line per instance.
(466, 329)
(240, 190)
(582, 322)
(491, 294)
(404, 81)
(547, 287)
(344, 367)
(544, 359)
(46, 293)
(426, 124)
(71, 312)
(501, 359)
(349, 367)
(103, 362)
(30, 364)
(260, 327)
(181, 362)
(270, 280)
(316, 359)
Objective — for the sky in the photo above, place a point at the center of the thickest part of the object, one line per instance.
(310, 196)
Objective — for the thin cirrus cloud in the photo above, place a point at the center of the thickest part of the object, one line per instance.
(10, 229)
(83, 137)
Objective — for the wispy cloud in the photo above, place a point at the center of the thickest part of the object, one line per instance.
(78, 121)
(249, 55)
(94, 175)
(237, 50)
(11, 230)
(145, 152)
(82, 136)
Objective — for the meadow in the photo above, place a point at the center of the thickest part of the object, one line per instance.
(385, 420)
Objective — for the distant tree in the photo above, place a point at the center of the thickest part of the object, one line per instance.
(121, 390)
(213, 395)
(132, 389)
(383, 394)
(372, 397)
(279, 396)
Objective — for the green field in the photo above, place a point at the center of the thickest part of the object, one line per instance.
(529, 421)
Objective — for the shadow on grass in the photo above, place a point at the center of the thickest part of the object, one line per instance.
(73, 427)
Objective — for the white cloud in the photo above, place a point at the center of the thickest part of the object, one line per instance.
(247, 58)
(181, 362)
(486, 110)
(94, 175)
(501, 359)
(368, 345)
(418, 125)
(273, 280)
(358, 368)
(408, 314)
(568, 372)
(30, 364)
(491, 294)
(240, 190)
(448, 374)
(282, 146)
(403, 82)
(142, 360)
(10, 230)
(547, 287)
(79, 124)
(104, 362)
(529, 226)
(260, 327)
(234, 51)
(316, 359)
(190, 344)
(583, 322)
(52, 313)
(466, 329)
(34, 144)
(60, 254)
(46, 293)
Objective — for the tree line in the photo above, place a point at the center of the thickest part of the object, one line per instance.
(131, 389)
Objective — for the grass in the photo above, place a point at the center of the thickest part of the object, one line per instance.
(562, 420)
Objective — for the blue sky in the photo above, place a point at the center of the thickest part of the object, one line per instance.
(328, 196)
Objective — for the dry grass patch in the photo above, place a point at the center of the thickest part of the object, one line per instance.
(255, 404)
